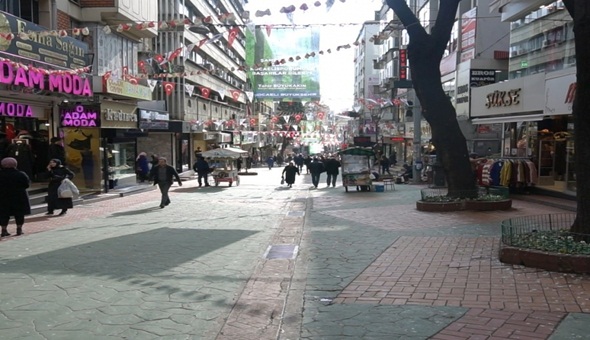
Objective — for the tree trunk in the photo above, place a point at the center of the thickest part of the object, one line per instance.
(425, 52)
(580, 12)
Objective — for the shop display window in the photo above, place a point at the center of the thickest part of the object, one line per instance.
(121, 161)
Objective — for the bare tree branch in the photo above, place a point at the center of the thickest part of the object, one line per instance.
(408, 18)
(441, 32)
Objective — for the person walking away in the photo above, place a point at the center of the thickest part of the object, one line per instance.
(57, 173)
(163, 175)
(307, 161)
(315, 168)
(299, 161)
(384, 162)
(289, 173)
(142, 168)
(393, 158)
(270, 162)
(201, 167)
(239, 162)
(14, 199)
(56, 150)
(154, 162)
(332, 165)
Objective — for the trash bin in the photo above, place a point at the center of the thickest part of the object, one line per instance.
(379, 188)
(438, 175)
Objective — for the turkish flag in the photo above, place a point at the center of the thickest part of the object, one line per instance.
(175, 54)
(235, 94)
(168, 87)
(205, 92)
(233, 33)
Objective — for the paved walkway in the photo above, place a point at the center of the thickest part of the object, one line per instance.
(366, 265)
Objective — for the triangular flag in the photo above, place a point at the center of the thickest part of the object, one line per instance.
(188, 88)
(152, 84)
(268, 30)
(189, 48)
(235, 94)
(242, 121)
(250, 95)
(202, 42)
(233, 33)
(205, 92)
(329, 4)
(221, 91)
(175, 54)
(218, 123)
(168, 87)
(356, 107)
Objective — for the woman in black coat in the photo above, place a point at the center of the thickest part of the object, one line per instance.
(57, 173)
(14, 200)
(289, 172)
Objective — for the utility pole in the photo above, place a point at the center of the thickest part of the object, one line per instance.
(418, 165)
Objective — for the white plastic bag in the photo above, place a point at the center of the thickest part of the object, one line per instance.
(67, 189)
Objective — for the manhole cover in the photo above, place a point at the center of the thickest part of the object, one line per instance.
(296, 213)
(281, 251)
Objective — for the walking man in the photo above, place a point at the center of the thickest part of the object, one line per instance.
(163, 175)
(202, 169)
(332, 165)
(316, 168)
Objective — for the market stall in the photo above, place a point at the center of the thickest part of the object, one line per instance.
(357, 163)
(224, 163)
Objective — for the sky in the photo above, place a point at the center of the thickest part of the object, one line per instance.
(345, 19)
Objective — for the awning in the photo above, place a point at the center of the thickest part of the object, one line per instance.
(509, 119)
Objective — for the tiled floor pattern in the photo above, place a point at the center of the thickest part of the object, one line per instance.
(507, 302)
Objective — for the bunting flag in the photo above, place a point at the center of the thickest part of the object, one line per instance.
(250, 95)
(152, 84)
(159, 59)
(175, 53)
(242, 121)
(329, 4)
(235, 94)
(218, 123)
(221, 91)
(268, 30)
(189, 88)
(190, 48)
(205, 92)
(233, 33)
(202, 42)
(168, 87)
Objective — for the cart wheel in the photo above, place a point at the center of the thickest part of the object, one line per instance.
(230, 183)
(346, 188)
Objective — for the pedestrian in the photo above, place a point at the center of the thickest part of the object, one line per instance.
(384, 162)
(56, 150)
(57, 173)
(163, 175)
(299, 161)
(270, 161)
(154, 161)
(239, 162)
(332, 165)
(315, 168)
(393, 158)
(307, 161)
(289, 173)
(14, 200)
(201, 167)
(142, 168)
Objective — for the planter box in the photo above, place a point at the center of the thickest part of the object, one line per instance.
(488, 205)
(463, 205)
(556, 262)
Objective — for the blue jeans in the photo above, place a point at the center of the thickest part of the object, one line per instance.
(315, 179)
(164, 187)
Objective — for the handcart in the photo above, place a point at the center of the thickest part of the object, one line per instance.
(225, 160)
(356, 164)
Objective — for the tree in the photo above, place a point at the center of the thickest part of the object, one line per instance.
(425, 52)
(580, 12)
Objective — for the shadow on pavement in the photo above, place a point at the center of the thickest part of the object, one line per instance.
(134, 212)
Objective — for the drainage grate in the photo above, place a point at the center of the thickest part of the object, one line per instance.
(296, 213)
(281, 251)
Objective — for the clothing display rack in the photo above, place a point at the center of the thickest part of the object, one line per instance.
(513, 172)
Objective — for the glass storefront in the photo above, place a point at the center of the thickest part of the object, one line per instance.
(121, 163)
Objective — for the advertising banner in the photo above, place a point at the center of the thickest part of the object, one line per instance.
(83, 156)
(295, 78)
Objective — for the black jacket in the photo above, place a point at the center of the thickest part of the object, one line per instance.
(171, 174)
(316, 167)
(14, 200)
(332, 166)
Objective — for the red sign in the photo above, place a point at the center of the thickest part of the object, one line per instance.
(403, 64)
(397, 139)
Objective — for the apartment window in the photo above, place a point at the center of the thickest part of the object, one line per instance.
(25, 9)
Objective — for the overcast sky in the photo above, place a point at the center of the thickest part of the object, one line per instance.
(337, 68)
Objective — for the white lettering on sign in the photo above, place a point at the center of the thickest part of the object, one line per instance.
(119, 116)
(503, 98)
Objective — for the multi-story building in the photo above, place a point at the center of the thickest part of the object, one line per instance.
(66, 47)
(207, 82)
(534, 106)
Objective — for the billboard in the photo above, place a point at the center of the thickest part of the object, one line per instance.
(298, 78)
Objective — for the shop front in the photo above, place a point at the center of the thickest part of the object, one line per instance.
(536, 124)
(36, 74)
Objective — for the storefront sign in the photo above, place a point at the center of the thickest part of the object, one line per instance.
(144, 125)
(154, 115)
(80, 116)
(60, 83)
(126, 89)
(62, 51)
(9, 109)
(403, 64)
(503, 98)
(117, 115)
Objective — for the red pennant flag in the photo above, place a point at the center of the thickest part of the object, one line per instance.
(159, 58)
(175, 54)
(233, 33)
(205, 92)
(235, 94)
(268, 29)
(168, 87)
(202, 42)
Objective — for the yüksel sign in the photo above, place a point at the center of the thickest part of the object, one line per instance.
(38, 45)
(9, 109)
(124, 88)
(56, 82)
